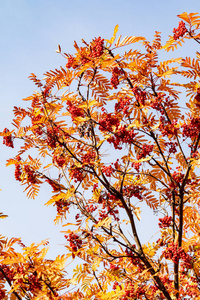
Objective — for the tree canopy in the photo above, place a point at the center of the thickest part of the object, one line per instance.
(110, 133)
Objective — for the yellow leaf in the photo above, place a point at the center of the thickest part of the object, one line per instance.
(145, 159)
(137, 212)
(2, 216)
(195, 163)
(114, 35)
(106, 222)
(68, 224)
(47, 166)
(59, 196)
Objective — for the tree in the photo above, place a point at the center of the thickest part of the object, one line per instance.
(109, 134)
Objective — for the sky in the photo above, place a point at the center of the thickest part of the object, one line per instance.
(30, 33)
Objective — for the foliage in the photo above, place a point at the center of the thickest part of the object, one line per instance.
(109, 134)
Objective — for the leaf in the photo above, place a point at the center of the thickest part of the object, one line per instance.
(151, 200)
(114, 35)
(144, 159)
(127, 40)
(57, 197)
(137, 212)
(2, 216)
(172, 44)
(59, 49)
(191, 18)
(105, 222)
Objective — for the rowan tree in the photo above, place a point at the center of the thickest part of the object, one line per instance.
(110, 133)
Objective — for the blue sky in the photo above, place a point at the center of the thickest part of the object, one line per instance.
(30, 33)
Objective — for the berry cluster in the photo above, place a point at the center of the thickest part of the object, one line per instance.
(107, 208)
(161, 242)
(180, 31)
(102, 215)
(74, 110)
(59, 160)
(94, 50)
(140, 96)
(31, 176)
(8, 140)
(37, 129)
(36, 119)
(85, 55)
(77, 217)
(74, 241)
(77, 174)
(174, 253)
(90, 208)
(95, 186)
(88, 157)
(116, 72)
(6, 270)
(115, 284)
(154, 288)
(18, 172)
(117, 164)
(157, 104)
(145, 151)
(133, 190)
(166, 280)
(136, 166)
(177, 179)
(71, 62)
(105, 197)
(123, 105)
(135, 260)
(165, 222)
(20, 270)
(52, 136)
(191, 129)
(187, 261)
(62, 206)
(131, 292)
(108, 121)
(97, 47)
(168, 128)
(191, 288)
(111, 211)
(160, 102)
(2, 294)
(172, 147)
(123, 135)
(107, 170)
(113, 198)
(34, 283)
(114, 268)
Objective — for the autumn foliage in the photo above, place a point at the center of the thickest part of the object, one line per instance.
(110, 133)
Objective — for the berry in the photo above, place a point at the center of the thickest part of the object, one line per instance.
(116, 72)
(145, 151)
(7, 139)
(165, 222)
(180, 31)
